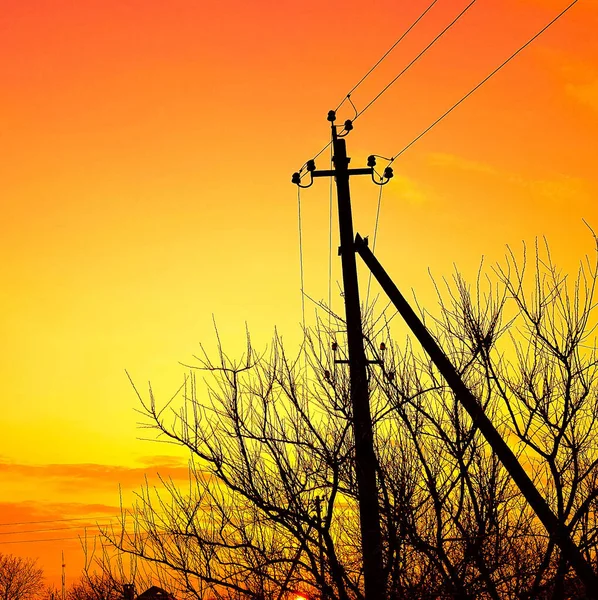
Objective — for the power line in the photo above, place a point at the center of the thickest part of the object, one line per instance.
(393, 81)
(54, 529)
(47, 540)
(401, 73)
(99, 533)
(330, 205)
(301, 273)
(348, 96)
(479, 85)
(375, 239)
(8, 523)
(401, 38)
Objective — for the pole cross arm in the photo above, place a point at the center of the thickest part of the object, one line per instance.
(332, 172)
(556, 529)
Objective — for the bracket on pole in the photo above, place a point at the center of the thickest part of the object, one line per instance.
(310, 165)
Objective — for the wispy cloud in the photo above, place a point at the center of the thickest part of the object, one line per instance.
(407, 190)
(73, 477)
(585, 93)
(578, 77)
(453, 161)
(556, 189)
(41, 512)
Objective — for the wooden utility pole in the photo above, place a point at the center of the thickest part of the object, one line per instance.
(366, 465)
(63, 587)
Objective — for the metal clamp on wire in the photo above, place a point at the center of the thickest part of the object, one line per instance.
(310, 167)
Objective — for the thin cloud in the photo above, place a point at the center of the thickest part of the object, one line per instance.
(72, 477)
(452, 161)
(407, 190)
(557, 189)
(584, 93)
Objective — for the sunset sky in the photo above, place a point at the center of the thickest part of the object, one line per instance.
(147, 150)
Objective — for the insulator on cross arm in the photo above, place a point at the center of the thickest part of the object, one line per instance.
(388, 173)
(334, 346)
(310, 165)
(348, 125)
(382, 346)
(371, 161)
(296, 178)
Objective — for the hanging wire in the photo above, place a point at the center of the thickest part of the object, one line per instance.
(99, 517)
(393, 81)
(367, 298)
(401, 38)
(353, 107)
(301, 273)
(479, 85)
(60, 539)
(330, 249)
(348, 96)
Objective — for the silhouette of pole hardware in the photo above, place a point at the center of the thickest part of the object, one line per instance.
(366, 464)
(365, 458)
(556, 529)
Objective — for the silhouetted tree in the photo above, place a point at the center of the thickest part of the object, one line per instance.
(95, 586)
(106, 573)
(20, 578)
(271, 505)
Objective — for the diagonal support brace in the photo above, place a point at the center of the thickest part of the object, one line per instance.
(555, 528)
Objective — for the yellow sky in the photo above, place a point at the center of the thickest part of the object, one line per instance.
(147, 155)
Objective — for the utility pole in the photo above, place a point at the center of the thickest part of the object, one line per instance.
(63, 587)
(366, 464)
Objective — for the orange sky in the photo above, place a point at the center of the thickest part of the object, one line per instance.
(147, 149)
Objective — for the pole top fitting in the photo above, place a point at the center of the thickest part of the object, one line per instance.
(331, 116)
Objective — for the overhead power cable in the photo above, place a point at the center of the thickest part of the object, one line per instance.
(348, 96)
(101, 517)
(47, 540)
(401, 38)
(55, 528)
(301, 272)
(375, 239)
(330, 207)
(479, 85)
(393, 81)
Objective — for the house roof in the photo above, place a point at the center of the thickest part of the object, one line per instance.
(155, 593)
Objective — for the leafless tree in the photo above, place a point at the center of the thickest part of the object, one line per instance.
(271, 504)
(106, 572)
(95, 586)
(20, 578)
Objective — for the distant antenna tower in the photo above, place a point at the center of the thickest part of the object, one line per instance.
(63, 577)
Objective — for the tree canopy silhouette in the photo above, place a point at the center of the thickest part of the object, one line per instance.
(20, 578)
(271, 505)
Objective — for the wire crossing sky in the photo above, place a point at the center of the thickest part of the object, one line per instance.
(145, 188)
(479, 85)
